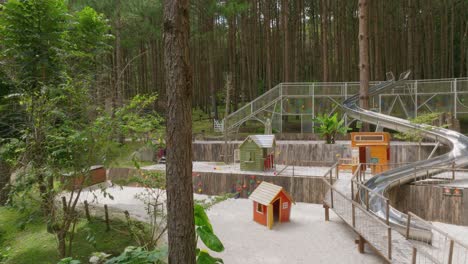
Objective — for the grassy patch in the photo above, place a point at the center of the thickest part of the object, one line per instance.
(31, 243)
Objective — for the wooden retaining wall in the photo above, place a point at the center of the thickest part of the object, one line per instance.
(302, 189)
(430, 203)
(302, 152)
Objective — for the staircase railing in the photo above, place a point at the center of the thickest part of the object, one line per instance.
(260, 103)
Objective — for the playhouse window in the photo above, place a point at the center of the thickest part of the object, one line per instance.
(251, 156)
(259, 208)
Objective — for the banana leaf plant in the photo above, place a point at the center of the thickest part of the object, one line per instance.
(329, 126)
(206, 234)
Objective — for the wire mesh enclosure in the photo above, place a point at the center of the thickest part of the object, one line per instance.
(291, 107)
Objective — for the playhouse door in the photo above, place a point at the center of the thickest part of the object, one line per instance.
(363, 157)
(276, 210)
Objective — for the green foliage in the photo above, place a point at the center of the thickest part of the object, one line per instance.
(137, 255)
(416, 135)
(233, 8)
(88, 39)
(205, 232)
(137, 118)
(34, 33)
(26, 240)
(69, 261)
(330, 126)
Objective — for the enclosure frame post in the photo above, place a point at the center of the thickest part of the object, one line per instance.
(281, 107)
(387, 217)
(408, 221)
(416, 98)
(455, 96)
(453, 171)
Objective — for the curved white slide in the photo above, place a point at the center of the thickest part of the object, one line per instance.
(381, 183)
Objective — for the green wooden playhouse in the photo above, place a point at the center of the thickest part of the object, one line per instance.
(257, 153)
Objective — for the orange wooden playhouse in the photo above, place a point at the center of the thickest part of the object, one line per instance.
(271, 204)
(372, 148)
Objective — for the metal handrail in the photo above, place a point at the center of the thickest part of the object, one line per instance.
(357, 83)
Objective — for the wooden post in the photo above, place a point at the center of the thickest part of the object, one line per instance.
(127, 217)
(353, 214)
(64, 204)
(331, 197)
(107, 217)
(450, 256)
(408, 226)
(337, 168)
(389, 230)
(327, 212)
(415, 252)
(352, 191)
(387, 217)
(86, 207)
(361, 242)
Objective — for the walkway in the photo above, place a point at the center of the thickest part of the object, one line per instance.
(372, 229)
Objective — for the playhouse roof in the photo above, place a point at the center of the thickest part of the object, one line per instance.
(263, 141)
(266, 192)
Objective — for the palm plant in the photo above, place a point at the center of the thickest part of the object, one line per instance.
(329, 126)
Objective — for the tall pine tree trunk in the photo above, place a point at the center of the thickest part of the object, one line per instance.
(4, 181)
(324, 31)
(180, 218)
(363, 58)
(285, 18)
(266, 7)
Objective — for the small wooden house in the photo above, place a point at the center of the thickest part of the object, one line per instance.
(257, 153)
(271, 204)
(97, 174)
(372, 148)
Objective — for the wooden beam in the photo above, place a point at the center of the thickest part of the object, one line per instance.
(361, 242)
(408, 226)
(450, 256)
(327, 212)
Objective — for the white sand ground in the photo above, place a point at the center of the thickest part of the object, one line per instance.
(306, 239)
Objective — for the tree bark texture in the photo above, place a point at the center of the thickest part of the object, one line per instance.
(180, 218)
(363, 58)
(4, 181)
